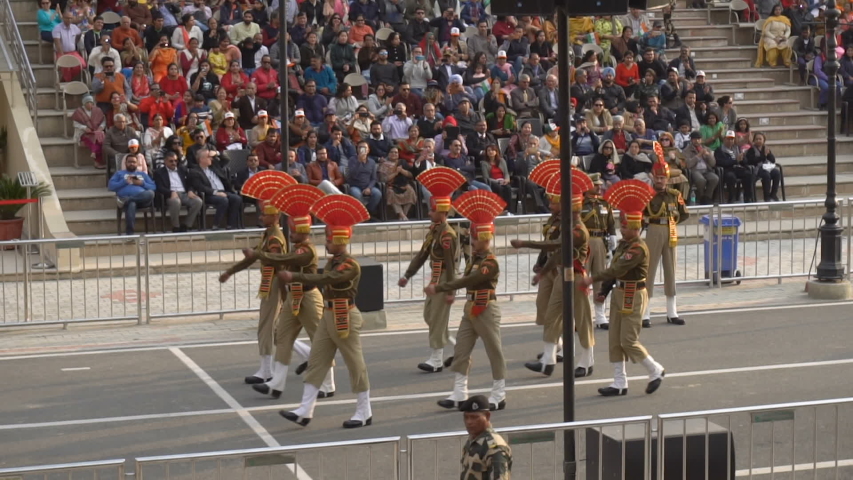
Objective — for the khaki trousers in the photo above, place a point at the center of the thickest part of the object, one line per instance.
(624, 332)
(289, 325)
(268, 315)
(327, 342)
(657, 239)
(597, 260)
(583, 315)
(486, 326)
(543, 295)
(437, 316)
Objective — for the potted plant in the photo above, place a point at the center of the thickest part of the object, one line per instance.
(11, 226)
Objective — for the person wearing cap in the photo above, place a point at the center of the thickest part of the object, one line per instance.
(441, 248)
(134, 189)
(609, 91)
(704, 91)
(673, 90)
(481, 316)
(735, 169)
(134, 150)
(340, 327)
(597, 216)
(663, 213)
(486, 455)
(302, 305)
(272, 241)
(384, 72)
(627, 273)
(502, 69)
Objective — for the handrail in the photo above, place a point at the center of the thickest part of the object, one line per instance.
(25, 71)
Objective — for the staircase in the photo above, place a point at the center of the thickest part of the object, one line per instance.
(725, 51)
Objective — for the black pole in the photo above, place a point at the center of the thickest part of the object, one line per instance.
(563, 45)
(284, 110)
(830, 267)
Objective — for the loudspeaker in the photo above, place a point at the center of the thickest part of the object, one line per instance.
(592, 8)
(371, 287)
(648, 4)
(523, 7)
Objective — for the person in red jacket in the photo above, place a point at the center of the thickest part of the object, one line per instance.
(269, 151)
(157, 103)
(266, 78)
(627, 74)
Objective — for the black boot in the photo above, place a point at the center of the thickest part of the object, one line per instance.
(538, 367)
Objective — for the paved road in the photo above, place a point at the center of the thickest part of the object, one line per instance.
(122, 404)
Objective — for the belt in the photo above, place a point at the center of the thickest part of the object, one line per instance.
(472, 296)
(328, 304)
(659, 220)
(640, 284)
(599, 233)
(305, 288)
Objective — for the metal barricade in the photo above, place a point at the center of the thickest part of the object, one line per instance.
(755, 442)
(102, 470)
(371, 459)
(618, 448)
(61, 281)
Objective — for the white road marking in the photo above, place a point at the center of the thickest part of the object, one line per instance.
(75, 369)
(800, 467)
(237, 408)
(397, 332)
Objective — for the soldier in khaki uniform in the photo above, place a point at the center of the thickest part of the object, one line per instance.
(486, 455)
(303, 304)
(663, 213)
(441, 248)
(597, 215)
(272, 241)
(340, 327)
(627, 272)
(482, 315)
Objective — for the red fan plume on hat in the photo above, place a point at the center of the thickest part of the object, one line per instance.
(263, 185)
(542, 173)
(480, 207)
(441, 183)
(295, 201)
(631, 198)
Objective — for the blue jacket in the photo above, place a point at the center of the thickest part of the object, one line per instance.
(325, 78)
(335, 155)
(123, 189)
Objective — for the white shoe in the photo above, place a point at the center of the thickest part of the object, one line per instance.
(460, 392)
(363, 413)
(497, 399)
(600, 317)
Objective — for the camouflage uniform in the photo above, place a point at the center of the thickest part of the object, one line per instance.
(487, 457)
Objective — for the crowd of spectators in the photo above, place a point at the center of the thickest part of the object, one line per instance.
(379, 91)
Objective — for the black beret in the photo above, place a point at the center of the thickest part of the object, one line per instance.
(477, 403)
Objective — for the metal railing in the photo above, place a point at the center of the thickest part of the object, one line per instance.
(371, 459)
(618, 448)
(103, 470)
(154, 276)
(12, 37)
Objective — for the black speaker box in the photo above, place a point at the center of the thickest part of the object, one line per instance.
(648, 4)
(371, 287)
(523, 7)
(674, 455)
(591, 8)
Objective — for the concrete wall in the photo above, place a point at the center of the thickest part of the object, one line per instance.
(24, 153)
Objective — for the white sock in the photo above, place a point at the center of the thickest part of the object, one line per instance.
(600, 317)
(302, 349)
(498, 391)
(328, 385)
(647, 314)
(260, 372)
(460, 388)
(436, 358)
(620, 379)
(309, 400)
(585, 358)
(451, 340)
(266, 365)
(671, 311)
(654, 368)
(279, 377)
(362, 407)
(549, 354)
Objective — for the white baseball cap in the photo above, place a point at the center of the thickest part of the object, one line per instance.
(501, 54)
(454, 32)
(229, 115)
(299, 113)
(262, 113)
(700, 73)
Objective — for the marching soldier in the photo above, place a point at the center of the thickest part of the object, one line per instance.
(303, 304)
(663, 213)
(261, 187)
(486, 455)
(441, 248)
(340, 327)
(627, 272)
(482, 315)
(597, 215)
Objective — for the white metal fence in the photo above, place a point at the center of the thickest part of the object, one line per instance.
(153, 276)
(103, 470)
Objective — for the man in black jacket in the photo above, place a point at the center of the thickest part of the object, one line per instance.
(173, 185)
(650, 62)
(377, 141)
(684, 65)
(581, 92)
(478, 140)
(730, 157)
(690, 113)
(214, 184)
(658, 118)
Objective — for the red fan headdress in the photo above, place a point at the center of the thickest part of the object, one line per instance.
(263, 185)
(441, 183)
(542, 173)
(339, 213)
(480, 207)
(295, 201)
(631, 198)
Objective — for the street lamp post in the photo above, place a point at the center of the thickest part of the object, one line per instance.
(830, 267)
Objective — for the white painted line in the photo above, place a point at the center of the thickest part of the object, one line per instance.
(226, 397)
(800, 467)
(75, 369)
(398, 332)
(414, 396)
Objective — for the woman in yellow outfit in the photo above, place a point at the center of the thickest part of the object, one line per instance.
(774, 38)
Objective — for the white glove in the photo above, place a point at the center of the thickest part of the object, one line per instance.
(611, 242)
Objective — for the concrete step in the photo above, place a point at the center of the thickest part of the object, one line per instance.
(793, 132)
(688, 33)
(68, 178)
(51, 123)
(817, 147)
(102, 221)
(32, 47)
(59, 152)
(760, 120)
(684, 22)
(718, 63)
(28, 30)
(45, 75)
(46, 98)
(706, 52)
(801, 94)
(741, 83)
(815, 185)
(98, 198)
(714, 40)
(779, 75)
(813, 166)
(779, 105)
